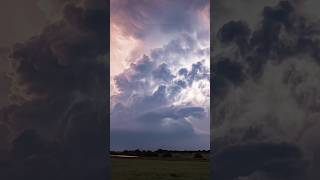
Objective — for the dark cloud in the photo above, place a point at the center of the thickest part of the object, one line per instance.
(198, 71)
(60, 58)
(226, 72)
(163, 73)
(5, 69)
(57, 119)
(273, 160)
(264, 79)
(237, 32)
(181, 83)
(137, 77)
(183, 72)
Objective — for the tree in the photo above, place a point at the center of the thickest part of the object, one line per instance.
(198, 156)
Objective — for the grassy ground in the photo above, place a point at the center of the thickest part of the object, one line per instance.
(147, 169)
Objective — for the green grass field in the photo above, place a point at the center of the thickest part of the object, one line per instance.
(147, 169)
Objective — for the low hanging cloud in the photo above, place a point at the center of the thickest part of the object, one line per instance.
(266, 96)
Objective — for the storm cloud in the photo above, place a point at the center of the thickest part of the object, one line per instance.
(148, 91)
(161, 86)
(265, 95)
(56, 120)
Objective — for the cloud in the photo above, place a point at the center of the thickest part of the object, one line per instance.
(163, 73)
(265, 91)
(154, 40)
(155, 140)
(5, 81)
(141, 18)
(60, 59)
(161, 66)
(166, 128)
(150, 100)
(57, 112)
(138, 27)
(269, 160)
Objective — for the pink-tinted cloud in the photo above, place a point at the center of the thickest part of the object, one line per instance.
(151, 42)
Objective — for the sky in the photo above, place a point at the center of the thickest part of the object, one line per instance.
(159, 74)
(266, 84)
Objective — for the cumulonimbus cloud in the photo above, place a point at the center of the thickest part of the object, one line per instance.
(171, 74)
(266, 94)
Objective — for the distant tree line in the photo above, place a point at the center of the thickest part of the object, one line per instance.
(160, 153)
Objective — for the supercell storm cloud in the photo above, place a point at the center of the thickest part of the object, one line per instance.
(160, 74)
